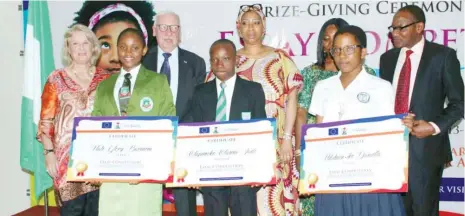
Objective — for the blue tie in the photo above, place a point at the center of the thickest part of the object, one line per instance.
(165, 67)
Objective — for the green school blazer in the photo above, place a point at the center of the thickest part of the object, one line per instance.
(151, 97)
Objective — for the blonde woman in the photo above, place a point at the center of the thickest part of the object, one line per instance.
(68, 93)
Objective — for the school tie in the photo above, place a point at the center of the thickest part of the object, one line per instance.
(125, 94)
(165, 67)
(221, 105)
(403, 86)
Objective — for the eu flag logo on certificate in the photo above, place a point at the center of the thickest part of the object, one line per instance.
(204, 130)
(333, 132)
(106, 125)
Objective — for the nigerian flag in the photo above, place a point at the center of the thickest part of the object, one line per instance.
(38, 65)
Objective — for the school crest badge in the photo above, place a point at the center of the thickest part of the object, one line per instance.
(146, 104)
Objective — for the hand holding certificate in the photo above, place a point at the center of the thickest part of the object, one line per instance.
(225, 154)
(122, 149)
(358, 156)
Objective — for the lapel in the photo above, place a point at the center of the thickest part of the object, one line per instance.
(156, 59)
(234, 111)
(422, 68)
(141, 81)
(390, 67)
(182, 76)
(110, 95)
(211, 97)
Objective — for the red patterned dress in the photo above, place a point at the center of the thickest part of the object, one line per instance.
(279, 76)
(62, 100)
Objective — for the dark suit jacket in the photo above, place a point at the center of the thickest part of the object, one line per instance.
(438, 77)
(247, 97)
(192, 72)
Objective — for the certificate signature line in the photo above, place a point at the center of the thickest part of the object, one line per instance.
(124, 131)
(355, 136)
(225, 135)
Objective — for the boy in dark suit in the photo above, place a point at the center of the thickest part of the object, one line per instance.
(226, 98)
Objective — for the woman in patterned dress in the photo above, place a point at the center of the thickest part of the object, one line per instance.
(322, 69)
(68, 93)
(281, 81)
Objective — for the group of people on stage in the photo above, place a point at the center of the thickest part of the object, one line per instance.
(111, 64)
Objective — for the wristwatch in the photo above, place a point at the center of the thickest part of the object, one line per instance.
(46, 151)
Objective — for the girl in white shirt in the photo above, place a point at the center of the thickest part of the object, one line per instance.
(353, 94)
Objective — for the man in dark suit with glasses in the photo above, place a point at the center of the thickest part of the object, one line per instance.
(423, 75)
(184, 71)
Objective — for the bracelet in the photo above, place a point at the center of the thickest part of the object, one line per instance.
(297, 153)
(287, 137)
(46, 151)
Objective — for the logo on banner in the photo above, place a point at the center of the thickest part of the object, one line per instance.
(204, 130)
(106, 125)
(333, 131)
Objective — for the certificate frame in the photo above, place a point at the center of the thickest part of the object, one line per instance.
(201, 125)
(308, 181)
(112, 126)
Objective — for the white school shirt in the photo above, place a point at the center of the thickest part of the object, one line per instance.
(119, 83)
(173, 60)
(367, 96)
(228, 91)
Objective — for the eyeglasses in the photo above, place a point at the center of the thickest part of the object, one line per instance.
(400, 28)
(256, 7)
(348, 50)
(163, 27)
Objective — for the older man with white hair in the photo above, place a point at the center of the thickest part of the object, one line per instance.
(184, 71)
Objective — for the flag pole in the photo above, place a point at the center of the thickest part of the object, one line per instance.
(46, 202)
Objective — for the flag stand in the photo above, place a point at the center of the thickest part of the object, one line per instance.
(46, 202)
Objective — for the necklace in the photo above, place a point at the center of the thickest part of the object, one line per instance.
(90, 72)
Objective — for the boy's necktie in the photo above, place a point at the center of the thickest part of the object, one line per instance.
(221, 105)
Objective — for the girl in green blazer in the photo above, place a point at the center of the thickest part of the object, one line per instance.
(135, 91)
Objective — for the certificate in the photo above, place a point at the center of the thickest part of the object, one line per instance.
(225, 154)
(122, 149)
(357, 156)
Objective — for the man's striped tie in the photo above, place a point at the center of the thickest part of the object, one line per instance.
(221, 105)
